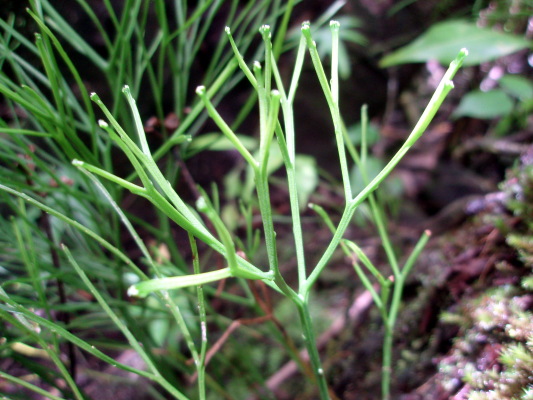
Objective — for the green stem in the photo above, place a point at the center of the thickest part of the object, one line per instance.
(176, 137)
(226, 130)
(29, 386)
(339, 233)
(287, 147)
(332, 95)
(290, 169)
(282, 29)
(438, 97)
(390, 319)
(134, 343)
(377, 214)
(199, 360)
(270, 235)
(310, 344)
(144, 288)
(386, 366)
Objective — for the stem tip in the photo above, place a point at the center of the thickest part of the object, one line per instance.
(133, 291)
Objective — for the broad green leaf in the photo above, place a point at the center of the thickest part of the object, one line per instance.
(159, 329)
(217, 141)
(517, 86)
(355, 134)
(275, 158)
(484, 105)
(442, 42)
(306, 178)
(275, 161)
(358, 181)
(233, 184)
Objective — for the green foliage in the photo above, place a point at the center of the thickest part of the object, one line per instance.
(519, 87)
(50, 121)
(443, 39)
(484, 105)
(512, 102)
(356, 131)
(218, 142)
(306, 178)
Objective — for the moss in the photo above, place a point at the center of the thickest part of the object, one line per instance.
(494, 355)
(519, 189)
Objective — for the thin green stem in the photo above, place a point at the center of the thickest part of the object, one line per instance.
(438, 97)
(377, 214)
(265, 209)
(332, 96)
(133, 188)
(37, 335)
(240, 59)
(226, 130)
(364, 135)
(204, 205)
(27, 250)
(265, 33)
(199, 361)
(197, 108)
(288, 151)
(144, 288)
(390, 320)
(134, 343)
(386, 365)
(310, 344)
(366, 262)
(29, 386)
(337, 236)
(376, 209)
(290, 168)
(282, 29)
